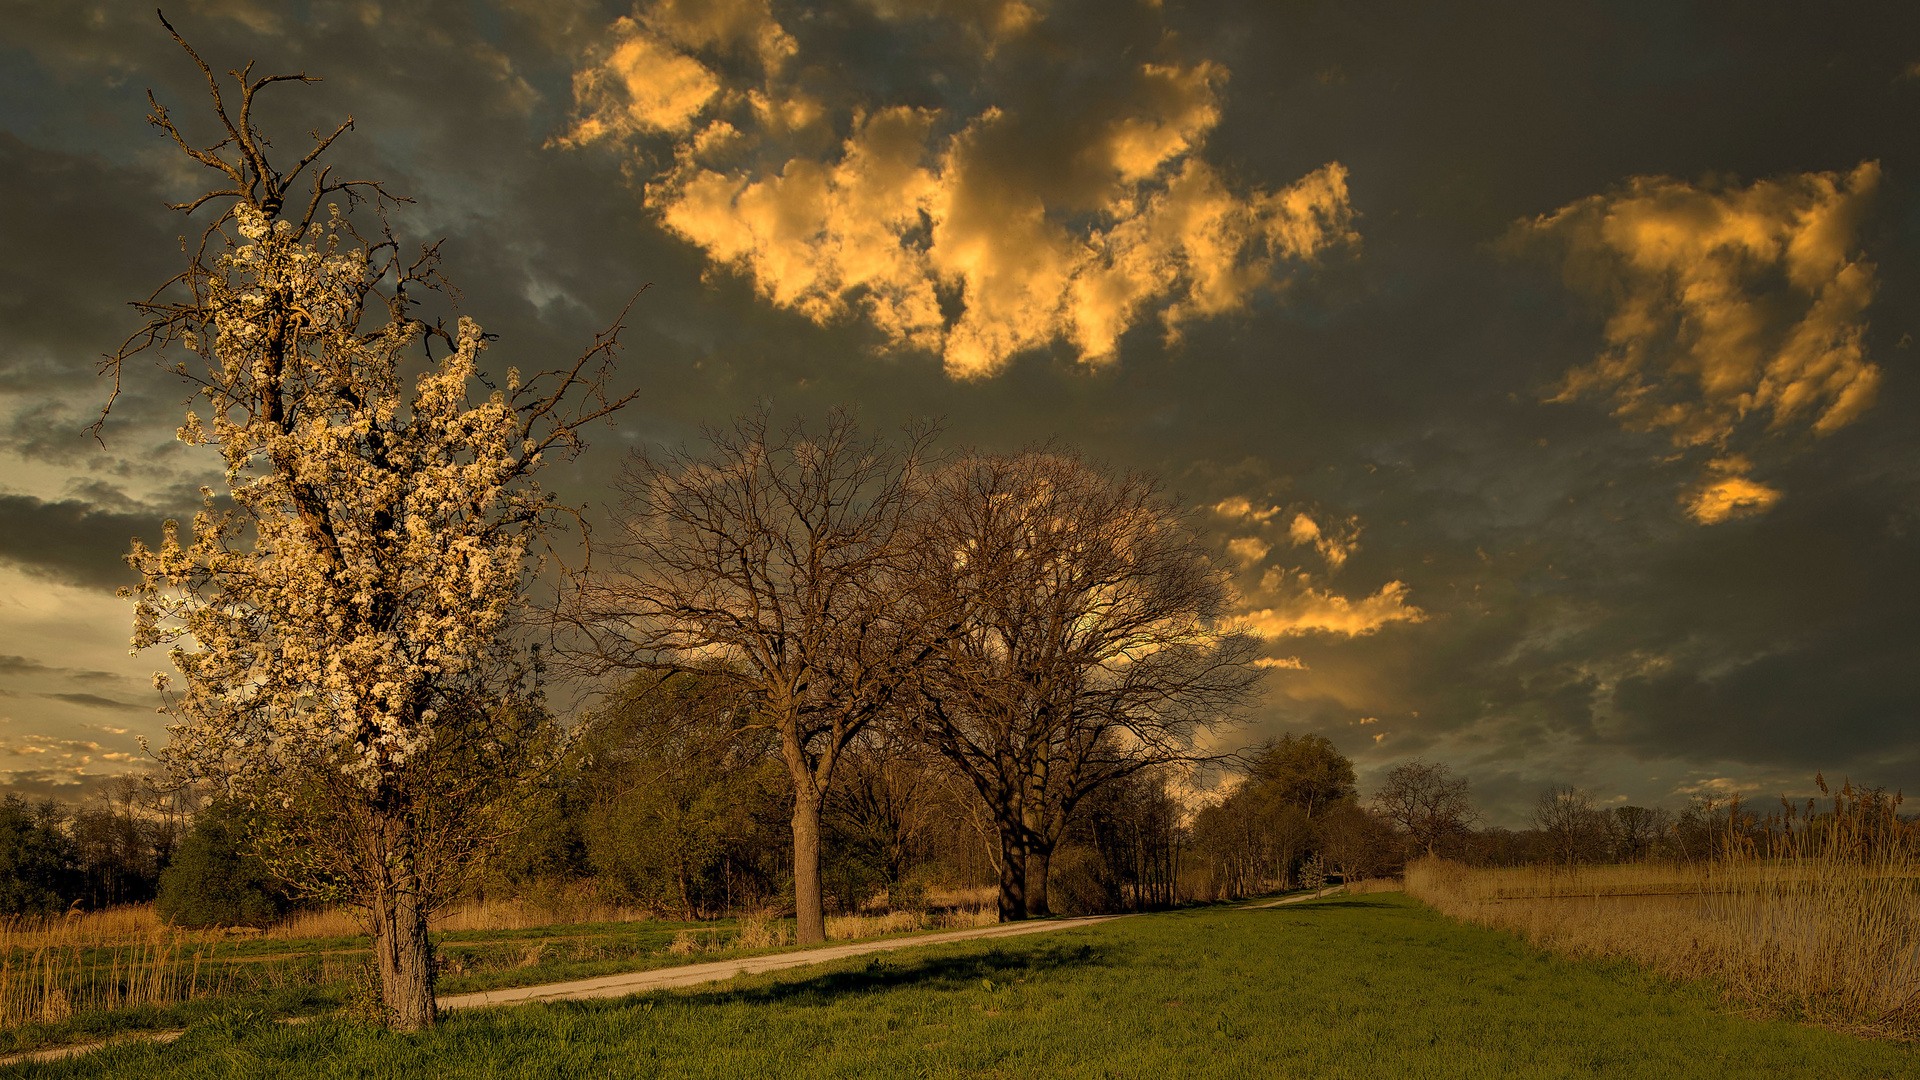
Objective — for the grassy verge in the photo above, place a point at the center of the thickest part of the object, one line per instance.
(278, 978)
(1372, 986)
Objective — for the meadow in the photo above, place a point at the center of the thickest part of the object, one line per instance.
(87, 976)
(1369, 986)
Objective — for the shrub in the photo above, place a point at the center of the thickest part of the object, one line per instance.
(36, 859)
(213, 881)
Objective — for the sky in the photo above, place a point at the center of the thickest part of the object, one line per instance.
(1544, 375)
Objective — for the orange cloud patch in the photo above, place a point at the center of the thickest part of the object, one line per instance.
(1735, 313)
(1311, 610)
(962, 235)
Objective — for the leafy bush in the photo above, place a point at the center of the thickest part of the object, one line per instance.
(214, 881)
(37, 860)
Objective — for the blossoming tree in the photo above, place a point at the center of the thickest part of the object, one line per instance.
(342, 620)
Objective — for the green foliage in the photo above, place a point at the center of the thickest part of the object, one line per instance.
(681, 794)
(1304, 771)
(214, 880)
(37, 860)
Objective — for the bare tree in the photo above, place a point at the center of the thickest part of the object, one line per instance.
(1572, 828)
(778, 552)
(1426, 800)
(344, 630)
(1087, 643)
(1633, 831)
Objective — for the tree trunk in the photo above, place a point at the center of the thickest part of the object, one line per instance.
(1039, 858)
(403, 953)
(1013, 873)
(809, 914)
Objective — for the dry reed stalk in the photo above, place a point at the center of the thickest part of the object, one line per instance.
(1829, 935)
(1374, 885)
(760, 932)
(968, 896)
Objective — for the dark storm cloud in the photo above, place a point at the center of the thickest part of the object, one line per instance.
(95, 701)
(71, 540)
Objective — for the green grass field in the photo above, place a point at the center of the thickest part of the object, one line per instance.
(1374, 986)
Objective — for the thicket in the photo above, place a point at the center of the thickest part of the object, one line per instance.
(54, 857)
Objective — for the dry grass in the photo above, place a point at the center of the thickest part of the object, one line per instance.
(114, 959)
(480, 915)
(849, 927)
(1374, 885)
(1833, 937)
(51, 969)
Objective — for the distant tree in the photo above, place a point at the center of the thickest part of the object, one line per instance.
(1304, 771)
(1355, 842)
(1634, 831)
(1427, 801)
(37, 860)
(1125, 848)
(214, 880)
(778, 552)
(1571, 828)
(343, 628)
(882, 813)
(677, 780)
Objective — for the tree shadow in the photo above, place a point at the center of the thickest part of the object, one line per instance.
(876, 972)
(1327, 905)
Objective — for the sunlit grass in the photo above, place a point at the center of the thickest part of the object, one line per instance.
(1372, 986)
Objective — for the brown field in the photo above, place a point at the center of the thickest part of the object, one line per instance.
(1835, 940)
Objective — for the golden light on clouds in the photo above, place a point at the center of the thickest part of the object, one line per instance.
(1735, 314)
(974, 235)
(1303, 609)
(1334, 543)
(1730, 495)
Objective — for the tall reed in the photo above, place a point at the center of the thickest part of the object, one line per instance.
(1822, 921)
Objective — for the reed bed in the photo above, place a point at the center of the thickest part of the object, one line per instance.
(51, 969)
(1832, 936)
(1375, 885)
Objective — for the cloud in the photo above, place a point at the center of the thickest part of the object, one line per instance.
(70, 540)
(23, 665)
(26, 665)
(1732, 495)
(1239, 507)
(1334, 543)
(1308, 610)
(1734, 313)
(976, 229)
(95, 701)
(1248, 550)
(1284, 663)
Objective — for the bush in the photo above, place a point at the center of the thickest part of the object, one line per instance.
(212, 881)
(37, 875)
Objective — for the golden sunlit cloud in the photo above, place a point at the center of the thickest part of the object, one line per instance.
(1247, 550)
(958, 233)
(1285, 663)
(1730, 496)
(1238, 507)
(1334, 543)
(1729, 307)
(1309, 610)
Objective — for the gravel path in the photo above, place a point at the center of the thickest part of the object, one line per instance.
(609, 986)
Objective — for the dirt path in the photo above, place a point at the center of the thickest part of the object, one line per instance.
(609, 986)
(1328, 891)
